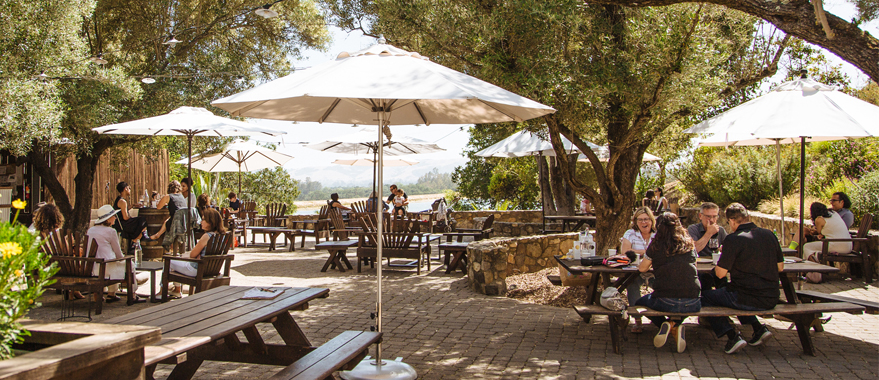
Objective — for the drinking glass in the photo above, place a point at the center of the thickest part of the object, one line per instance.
(713, 244)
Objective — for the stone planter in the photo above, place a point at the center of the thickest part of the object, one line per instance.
(492, 260)
(73, 351)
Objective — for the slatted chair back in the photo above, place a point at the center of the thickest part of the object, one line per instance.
(274, 211)
(359, 207)
(64, 243)
(488, 222)
(217, 246)
(863, 230)
(248, 210)
(337, 223)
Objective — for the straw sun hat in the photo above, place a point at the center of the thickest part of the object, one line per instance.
(104, 213)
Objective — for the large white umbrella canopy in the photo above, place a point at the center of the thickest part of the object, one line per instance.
(382, 85)
(238, 157)
(525, 143)
(801, 110)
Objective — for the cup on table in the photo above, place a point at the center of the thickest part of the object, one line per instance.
(611, 252)
(715, 257)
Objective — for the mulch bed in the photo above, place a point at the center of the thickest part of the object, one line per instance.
(535, 288)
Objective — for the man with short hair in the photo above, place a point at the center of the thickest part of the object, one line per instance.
(702, 233)
(394, 194)
(840, 203)
(753, 259)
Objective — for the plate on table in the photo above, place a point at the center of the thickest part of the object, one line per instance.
(704, 260)
(791, 260)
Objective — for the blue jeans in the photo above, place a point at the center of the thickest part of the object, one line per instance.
(726, 298)
(671, 305)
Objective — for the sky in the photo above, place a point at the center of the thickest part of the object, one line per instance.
(317, 166)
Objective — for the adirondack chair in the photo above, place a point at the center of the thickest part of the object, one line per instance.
(274, 211)
(321, 227)
(75, 270)
(859, 254)
(248, 210)
(340, 231)
(401, 245)
(213, 267)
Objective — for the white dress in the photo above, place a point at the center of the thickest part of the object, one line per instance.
(834, 228)
(108, 248)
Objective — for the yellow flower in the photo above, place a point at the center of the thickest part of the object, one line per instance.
(10, 249)
(18, 272)
(19, 204)
(30, 302)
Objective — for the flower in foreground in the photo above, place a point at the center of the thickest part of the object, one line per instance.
(19, 204)
(10, 249)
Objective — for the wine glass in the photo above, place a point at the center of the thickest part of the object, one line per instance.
(713, 244)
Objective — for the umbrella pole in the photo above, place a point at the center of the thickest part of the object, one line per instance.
(189, 196)
(802, 192)
(239, 179)
(379, 240)
(780, 190)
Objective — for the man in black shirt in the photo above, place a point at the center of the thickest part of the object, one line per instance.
(753, 258)
(394, 194)
(703, 233)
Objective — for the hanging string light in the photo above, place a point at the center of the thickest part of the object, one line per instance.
(148, 80)
(266, 12)
(172, 41)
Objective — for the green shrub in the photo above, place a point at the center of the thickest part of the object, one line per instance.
(791, 205)
(865, 197)
(746, 175)
(24, 272)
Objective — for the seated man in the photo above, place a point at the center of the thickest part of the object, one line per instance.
(840, 203)
(753, 259)
(708, 236)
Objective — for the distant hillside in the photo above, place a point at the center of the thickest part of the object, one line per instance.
(432, 182)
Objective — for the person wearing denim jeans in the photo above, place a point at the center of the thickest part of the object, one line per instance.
(752, 258)
(676, 285)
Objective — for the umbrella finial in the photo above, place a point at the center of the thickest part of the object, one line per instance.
(804, 74)
(381, 39)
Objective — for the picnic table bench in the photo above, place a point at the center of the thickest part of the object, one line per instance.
(803, 315)
(813, 296)
(204, 327)
(341, 353)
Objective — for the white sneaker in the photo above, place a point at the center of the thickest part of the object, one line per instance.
(661, 337)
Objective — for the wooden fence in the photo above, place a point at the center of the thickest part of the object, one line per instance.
(140, 172)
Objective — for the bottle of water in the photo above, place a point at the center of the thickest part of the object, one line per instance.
(590, 245)
(138, 254)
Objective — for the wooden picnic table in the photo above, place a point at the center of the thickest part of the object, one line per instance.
(274, 232)
(579, 221)
(204, 326)
(627, 274)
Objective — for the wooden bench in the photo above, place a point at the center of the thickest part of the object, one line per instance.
(802, 314)
(343, 353)
(553, 279)
(813, 296)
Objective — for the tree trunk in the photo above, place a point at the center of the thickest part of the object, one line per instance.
(545, 192)
(37, 158)
(557, 182)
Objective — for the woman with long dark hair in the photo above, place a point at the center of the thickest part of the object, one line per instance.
(676, 288)
(827, 224)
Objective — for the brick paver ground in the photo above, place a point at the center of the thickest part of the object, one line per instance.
(446, 331)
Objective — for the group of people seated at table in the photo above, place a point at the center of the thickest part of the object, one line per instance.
(751, 256)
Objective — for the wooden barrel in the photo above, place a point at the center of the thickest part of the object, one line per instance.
(154, 218)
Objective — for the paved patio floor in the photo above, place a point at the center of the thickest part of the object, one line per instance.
(446, 331)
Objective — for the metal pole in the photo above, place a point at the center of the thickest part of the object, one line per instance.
(379, 240)
(802, 192)
(780, 190)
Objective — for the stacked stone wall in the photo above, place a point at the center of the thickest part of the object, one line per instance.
(492, 260)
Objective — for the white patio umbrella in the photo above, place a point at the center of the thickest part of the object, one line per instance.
(382, 85)
(240, 156)
(525, 143)
(801, 110)
(189, 122)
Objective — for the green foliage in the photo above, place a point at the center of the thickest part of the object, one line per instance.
(745, 174)
(24, 272)
(865, 197)
(264, 186)
(513, 183)
(833, 160)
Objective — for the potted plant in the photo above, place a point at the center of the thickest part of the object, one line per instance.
(24, 274)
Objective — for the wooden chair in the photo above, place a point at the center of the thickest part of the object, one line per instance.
(75, 270)
(859, 254)
(407, 243)
(321, 227)
(340, 231)
(248, 210)
(213, 267)
(475, 233)
(274, 211)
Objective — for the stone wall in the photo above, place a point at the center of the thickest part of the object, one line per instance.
(492, 260)
(465, 219)
(770, 222)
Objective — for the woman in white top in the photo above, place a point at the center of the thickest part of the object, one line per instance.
(212, 224)
(827, 225)
(107, 240)
(637, 239)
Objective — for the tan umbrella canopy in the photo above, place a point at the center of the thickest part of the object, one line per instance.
(382, 85)
(240, 156)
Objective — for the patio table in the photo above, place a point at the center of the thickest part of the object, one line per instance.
(274, 232)
(204, 327)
